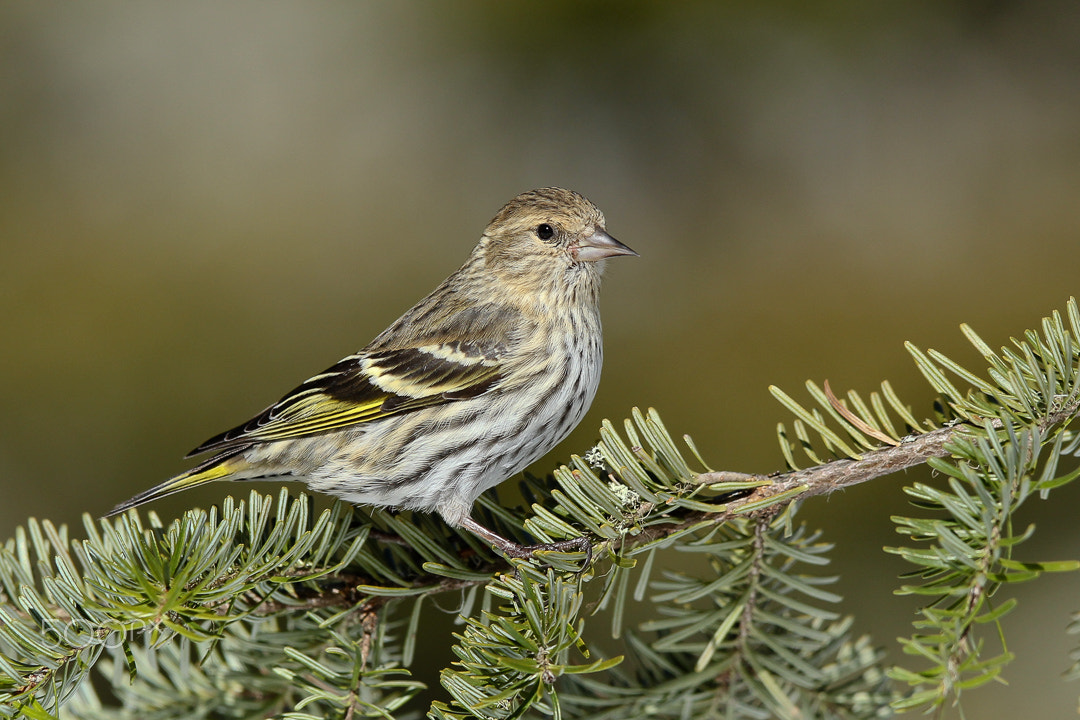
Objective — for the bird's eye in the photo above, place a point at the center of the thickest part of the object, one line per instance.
(545, 231)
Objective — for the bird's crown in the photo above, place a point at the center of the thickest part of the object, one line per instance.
(552, 213)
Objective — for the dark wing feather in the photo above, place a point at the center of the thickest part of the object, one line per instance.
(442, 350)
(369, 386)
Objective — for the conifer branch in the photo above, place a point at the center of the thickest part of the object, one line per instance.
(310, 617)
(844, 472)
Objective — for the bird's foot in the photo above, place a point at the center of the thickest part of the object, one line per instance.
(578, 544)
(514, 550)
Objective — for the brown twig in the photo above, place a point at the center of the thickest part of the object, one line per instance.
(831, 476)
(838, 474)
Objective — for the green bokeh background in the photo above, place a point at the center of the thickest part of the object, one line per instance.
(202, 204)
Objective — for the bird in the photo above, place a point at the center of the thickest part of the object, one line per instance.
(474, 383)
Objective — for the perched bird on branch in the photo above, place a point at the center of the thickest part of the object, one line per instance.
(478, 380)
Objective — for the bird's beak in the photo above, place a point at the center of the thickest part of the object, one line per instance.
(598, 246)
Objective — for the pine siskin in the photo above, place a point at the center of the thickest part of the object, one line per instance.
(478, 380)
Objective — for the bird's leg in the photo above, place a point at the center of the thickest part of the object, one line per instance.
(512, 549)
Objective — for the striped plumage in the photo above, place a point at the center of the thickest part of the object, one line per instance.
(478, 380)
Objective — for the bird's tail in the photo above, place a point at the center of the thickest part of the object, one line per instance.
(216, 468)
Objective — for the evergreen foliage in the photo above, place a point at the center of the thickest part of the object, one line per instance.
(259, 609)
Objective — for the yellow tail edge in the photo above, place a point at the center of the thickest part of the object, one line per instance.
(200, 475)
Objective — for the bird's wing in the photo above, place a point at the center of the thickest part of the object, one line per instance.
(372, 385)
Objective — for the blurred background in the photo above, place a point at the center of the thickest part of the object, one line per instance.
(203, 204)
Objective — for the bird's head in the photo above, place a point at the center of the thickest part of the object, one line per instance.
(548, 234)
